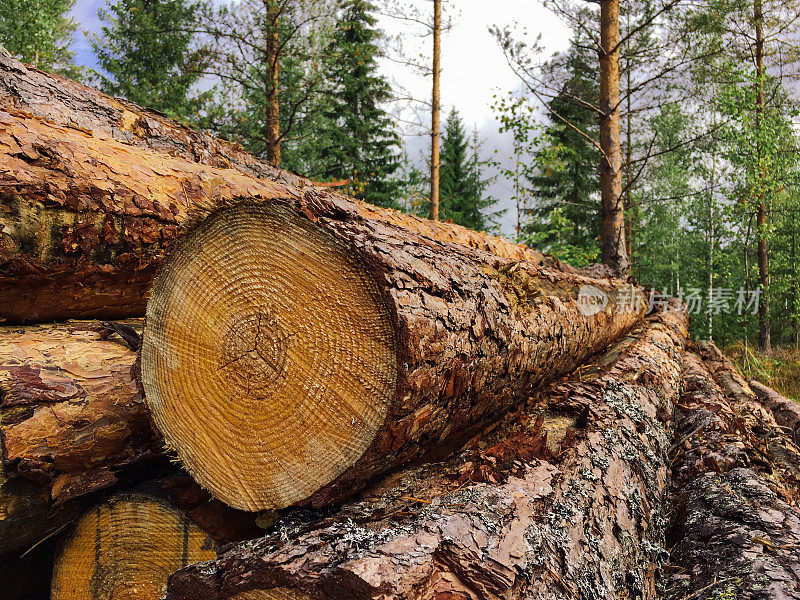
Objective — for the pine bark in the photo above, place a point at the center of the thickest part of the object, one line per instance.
(785, 411)
(615, 253)
(735, 527)
(71, 420)
(435, 109)
(94, 190)
(562, 500)
(72, 413)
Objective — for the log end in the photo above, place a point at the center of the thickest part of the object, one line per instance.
(268, 356)
(127, 548)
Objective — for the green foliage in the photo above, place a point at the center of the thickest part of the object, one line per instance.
(358, 141)
(40, 32)
(462, 189)
(554, 168)
(238, 33)
(565, 216)
(145, 47)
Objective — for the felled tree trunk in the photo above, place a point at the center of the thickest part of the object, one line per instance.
(94, 194)
(562, 500)
(73, 422)
(126, 548)
(735, 527)
(785, 411)
(72, 412)
(71, 418)
(335, 346)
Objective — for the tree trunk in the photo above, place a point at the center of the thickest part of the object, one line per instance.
(785, 411)
(273, 99)
(127, 548)
(562, 500)
(337, 346)
(72, 414)
(435, 109)
(735, 528)
(71, 420)
(764, 341)
(614, 250)
(93, 204)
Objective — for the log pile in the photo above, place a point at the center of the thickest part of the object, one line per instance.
(366, 404)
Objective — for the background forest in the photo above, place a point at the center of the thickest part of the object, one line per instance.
(707, 107)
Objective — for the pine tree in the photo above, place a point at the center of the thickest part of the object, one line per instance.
(40, 32)
(146, 48)
(359, 142)
(462, 189)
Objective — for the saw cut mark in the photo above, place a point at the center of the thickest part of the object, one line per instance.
(268, 356)
(126, 549)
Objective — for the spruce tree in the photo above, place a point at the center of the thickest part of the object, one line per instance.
(39, 32)
(359, 142)
(566, 213)
(146, 49)
(462, 189)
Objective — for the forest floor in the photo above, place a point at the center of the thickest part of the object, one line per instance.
(779, 369)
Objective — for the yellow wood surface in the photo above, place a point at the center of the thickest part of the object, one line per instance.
(126, 549)
(268, 356)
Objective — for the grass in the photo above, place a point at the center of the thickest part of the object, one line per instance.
(780, 369)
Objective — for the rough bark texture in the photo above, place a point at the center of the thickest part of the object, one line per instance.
(71, 410)
(735, 527)
(94, 189)
(71, 419)
(473, 332)
(562, 500)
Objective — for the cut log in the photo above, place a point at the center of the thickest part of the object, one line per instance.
(72, 413)
(291, 353)
(562, 500)
(785, 411)
(126, 548)
(95, 188)
(71, 419)
(73, 422)
(735, 527)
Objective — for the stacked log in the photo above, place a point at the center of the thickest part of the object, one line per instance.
(95, 189)
(496, 424)
(126, 548)
(412, 339)
(72, 420)
(735, 526)
(562, 500)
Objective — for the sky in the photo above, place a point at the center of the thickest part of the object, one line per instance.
(473, 66)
